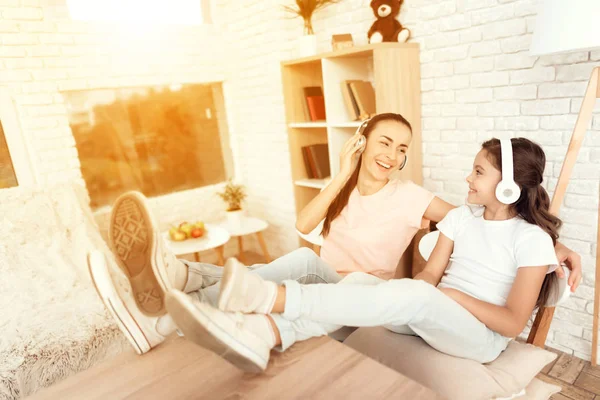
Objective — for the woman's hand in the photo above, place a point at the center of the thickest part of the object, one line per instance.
(573, 262)
(349, 156)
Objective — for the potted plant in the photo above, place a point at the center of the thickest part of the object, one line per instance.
(307, 44)
(233, 195)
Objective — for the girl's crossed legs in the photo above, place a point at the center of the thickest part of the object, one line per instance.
(404, 305)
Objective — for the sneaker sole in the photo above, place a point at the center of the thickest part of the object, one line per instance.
(200, 329)
(104, 287)
(133, 241)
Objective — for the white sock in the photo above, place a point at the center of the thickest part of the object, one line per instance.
(269, 300)
(260, 325)
(165, 325)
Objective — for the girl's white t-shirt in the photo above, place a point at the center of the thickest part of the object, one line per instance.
(487, 254)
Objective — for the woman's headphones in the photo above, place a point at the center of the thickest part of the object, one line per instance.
(363, 140)
(507, 191)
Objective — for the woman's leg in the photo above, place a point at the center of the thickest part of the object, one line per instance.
(301, 265)
(439, 320)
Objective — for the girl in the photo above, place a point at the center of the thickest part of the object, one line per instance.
(369, 220)
(489, 270)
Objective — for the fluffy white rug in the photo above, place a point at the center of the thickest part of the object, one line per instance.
(52, 321)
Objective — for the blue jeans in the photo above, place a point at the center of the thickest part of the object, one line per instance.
(301, 265)
(405, 306)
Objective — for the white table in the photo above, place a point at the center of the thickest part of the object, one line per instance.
(248, 226)
(214, 237)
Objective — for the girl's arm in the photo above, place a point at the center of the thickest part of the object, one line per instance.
(508, 320)
(437, 209)
(437, 262)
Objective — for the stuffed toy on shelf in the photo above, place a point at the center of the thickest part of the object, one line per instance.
(386, 27)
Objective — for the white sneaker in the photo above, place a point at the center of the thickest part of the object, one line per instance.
(243, 340)
(142, 254)
(244, 291)
(143, 332)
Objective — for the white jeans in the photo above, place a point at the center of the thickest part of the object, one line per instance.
(404, 306)
(301, 265)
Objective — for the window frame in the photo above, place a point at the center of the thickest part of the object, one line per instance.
(18, 147)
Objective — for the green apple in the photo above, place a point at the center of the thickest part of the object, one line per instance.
(200, 225)
(187, 229)
(172, 232)
(179, 236)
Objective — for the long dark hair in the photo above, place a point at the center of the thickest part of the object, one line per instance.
(338, 204)
(533, 205)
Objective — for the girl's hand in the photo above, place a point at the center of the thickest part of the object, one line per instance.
(349, 156)
(452, 293)
(573, 262)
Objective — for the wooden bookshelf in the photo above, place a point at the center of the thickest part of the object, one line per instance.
(393, 69)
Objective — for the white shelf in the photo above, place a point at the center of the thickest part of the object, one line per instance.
(323, 124)
(349, 124)
(320, 124)
(313, 183)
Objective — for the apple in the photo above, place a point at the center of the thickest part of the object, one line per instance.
(179, 236)
(197, 232)
(172, 232)
(200, 225)
(187, 229)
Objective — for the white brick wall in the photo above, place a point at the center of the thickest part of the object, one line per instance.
(477, 79)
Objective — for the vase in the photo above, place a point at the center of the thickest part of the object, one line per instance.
(306, 46)
(234, 219)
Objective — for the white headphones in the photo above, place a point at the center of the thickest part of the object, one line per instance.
(507, 191)
(363, 140)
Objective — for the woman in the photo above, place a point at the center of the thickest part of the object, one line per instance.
(490, 268)
(369, 222)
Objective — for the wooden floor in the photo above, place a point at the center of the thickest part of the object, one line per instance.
(578, 379)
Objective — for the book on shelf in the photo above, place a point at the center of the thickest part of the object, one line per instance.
(349, 100)
(315, 103)
(359, 97)
(364, 94)
(316, 161)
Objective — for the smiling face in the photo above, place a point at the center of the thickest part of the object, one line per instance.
(483, 181)
(386, 149)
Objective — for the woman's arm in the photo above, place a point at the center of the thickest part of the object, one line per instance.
(437, 209)
(437, 262)
(508, 320)
(315, 211)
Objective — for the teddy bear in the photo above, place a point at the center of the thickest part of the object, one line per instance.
(386, 27)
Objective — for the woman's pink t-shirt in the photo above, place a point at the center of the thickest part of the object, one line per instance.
(372, 232)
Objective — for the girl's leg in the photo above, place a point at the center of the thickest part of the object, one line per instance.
(302, 265)
(439, 320)
(302, 328)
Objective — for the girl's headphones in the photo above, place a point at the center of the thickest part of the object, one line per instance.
(507, 191)
(363, 140)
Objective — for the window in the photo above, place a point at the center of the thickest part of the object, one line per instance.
(156, 140)
(16, 167)
(186, 12)
(8, 177)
